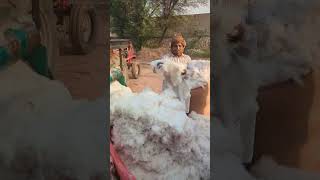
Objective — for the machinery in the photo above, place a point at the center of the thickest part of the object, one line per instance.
(132, 64)
(76, 24)
(127, 57)
(63, 24)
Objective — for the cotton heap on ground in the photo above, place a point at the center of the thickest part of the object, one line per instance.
(198, 73)
(155, 138)
(282, 46)
(44, 133)
(227, 162)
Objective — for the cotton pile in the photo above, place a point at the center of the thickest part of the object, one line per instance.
(283, 45)
(267, 169)
(156, 139)
(275, 56)
(198, 73)
(175, 78)
(227, 164)
(42, 127)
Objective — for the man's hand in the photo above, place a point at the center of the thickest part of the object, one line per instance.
(159, 65)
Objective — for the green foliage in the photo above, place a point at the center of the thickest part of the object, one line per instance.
(142, 20)
(129, 20)
(199, 53)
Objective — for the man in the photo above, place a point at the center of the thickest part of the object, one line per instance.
(178, 44)
(177, 55)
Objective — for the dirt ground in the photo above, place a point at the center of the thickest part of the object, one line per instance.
(84, 76)
(146, 79)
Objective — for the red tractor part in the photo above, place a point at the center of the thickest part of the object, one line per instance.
(133, 66)
(62, 4)
(131, 54)
(121, 169)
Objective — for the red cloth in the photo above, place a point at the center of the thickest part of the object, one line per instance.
(122, 170)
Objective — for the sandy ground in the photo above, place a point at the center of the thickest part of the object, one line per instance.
(147, 79)
(84, 76)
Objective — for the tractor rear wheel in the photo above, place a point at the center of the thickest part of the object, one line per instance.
(83, 29)
(48, 33)
(135, 70)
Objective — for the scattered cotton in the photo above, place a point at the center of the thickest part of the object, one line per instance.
(198, 73)
(267, 169)
(283, 45)
(156, 139)
(41, 122)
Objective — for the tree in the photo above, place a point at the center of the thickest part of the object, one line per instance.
(129, 19)
(141, 20)
(170, 8)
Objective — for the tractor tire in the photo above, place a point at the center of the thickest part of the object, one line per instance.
(135, 70)
(48, 33)
(83, 29)
(125, 74)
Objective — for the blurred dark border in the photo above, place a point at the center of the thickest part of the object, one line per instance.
(212, 88)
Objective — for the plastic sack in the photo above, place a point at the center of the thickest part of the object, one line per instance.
(116, 75)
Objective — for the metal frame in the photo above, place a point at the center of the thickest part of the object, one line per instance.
(120, 44)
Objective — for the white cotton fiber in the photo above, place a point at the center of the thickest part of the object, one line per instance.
(198, 73)
(156, 139)
(267, 169)
(285, 47)
(66, 136)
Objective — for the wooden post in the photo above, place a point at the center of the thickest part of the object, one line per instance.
(120, 55)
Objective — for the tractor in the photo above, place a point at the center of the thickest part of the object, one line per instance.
(127, 57)
(63, 24)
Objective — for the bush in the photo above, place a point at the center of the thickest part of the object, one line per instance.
(198, 53)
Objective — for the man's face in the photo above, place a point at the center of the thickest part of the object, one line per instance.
(177, 49)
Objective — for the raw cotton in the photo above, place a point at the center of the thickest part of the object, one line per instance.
(267, 169)
(175, 78)
(156, 139)
(283, 46)
(181, 78)
(43, 128)
(227, 151)
(198, 73)
(227, 164)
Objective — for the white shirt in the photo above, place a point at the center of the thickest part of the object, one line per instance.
(182, 59)
(183, 88)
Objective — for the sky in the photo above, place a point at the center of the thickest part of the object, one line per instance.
(200, 10)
